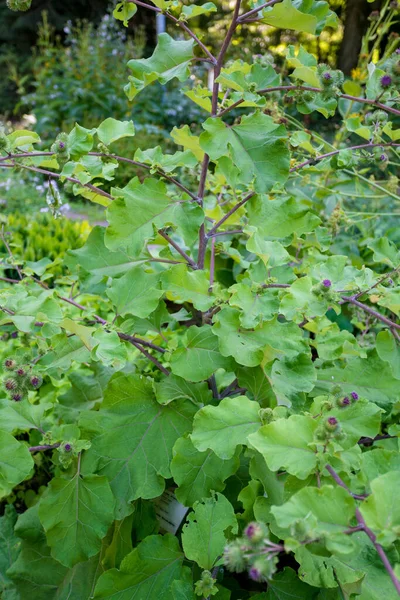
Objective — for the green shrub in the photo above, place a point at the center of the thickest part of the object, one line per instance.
(228, 344)
(90, 70)
(39, 235)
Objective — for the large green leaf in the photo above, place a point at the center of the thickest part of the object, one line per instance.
(290, 376)
(126, 436)
(111, 130)
(170, 59)
(76, 515)
(136, 293)
(22, 416)
(221, 428)
(195, 10)
(85, 393)
(181, 285)
(98, 260)
(9, 548)
(15, 463)
(198, 473)
(200, 357)
(326, 571)
(376, 583)
(147, 572)
(370, 377)
(255, 307)
(286, 585)
(250, 347)
(167, 162)
(301, 301)
(132, 216)
(388, 351)
(280, 217)
(362, 418)
(285, 445)
(204, 534)
(286, 16)
(257, 146)
(381, 510)
(38, 576)
(325, 511)
(66, 350)
(174, 387)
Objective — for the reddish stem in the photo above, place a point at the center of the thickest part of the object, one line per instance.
(334, 152)
(170, 241)
(367, 530)
(44, 447)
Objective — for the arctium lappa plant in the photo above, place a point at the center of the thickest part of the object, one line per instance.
(210, 397)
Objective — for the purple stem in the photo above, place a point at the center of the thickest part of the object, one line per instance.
(367, 530)
(370, 311)
(334, 152)
(228, 214)
(225, 233)
(212, 263)
(203, 238)
(43, 447)
(367, 441)
(288, 88)
(276, 285)
(243, 18)
(115, 157)
(94, 189)
(150, 357)
(178, 249)
(131, 338)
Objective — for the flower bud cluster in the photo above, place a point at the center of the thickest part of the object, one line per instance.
(253, 552)
(19, 379)
(330, 80)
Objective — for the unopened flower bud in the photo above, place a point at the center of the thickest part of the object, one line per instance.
(254, 532)
(10, 384)
(36, 381)
(266, 415)
(234, 557)
(331, 424)
(17, 397)
(255, 574)
(262, 569)
(386, 81)
(10, 364)
(343, 402)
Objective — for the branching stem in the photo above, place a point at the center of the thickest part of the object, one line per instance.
(178, 248)
(180, 24)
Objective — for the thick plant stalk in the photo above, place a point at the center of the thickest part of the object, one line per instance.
(214, 109)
